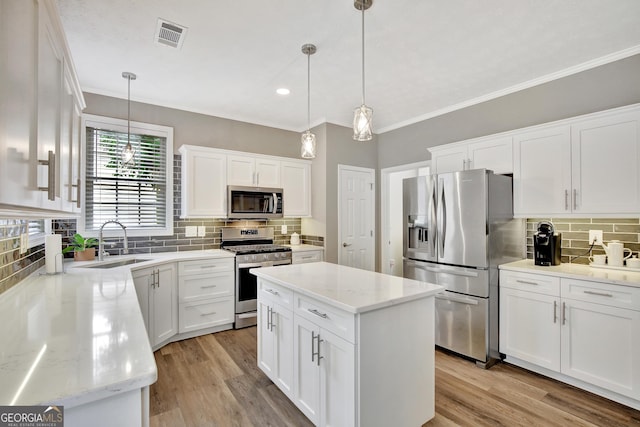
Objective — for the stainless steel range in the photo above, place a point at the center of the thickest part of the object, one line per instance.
(254, 248)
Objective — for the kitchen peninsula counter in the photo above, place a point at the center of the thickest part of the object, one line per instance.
(78, 338)
(348, 347)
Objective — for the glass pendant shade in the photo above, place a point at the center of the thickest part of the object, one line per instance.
(308, 148)
(362, 129)
(127, 153)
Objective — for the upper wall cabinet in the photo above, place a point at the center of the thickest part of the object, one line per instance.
(206, 172)
(253, 171)
(493, 153)
(589, 166)
(40, 106)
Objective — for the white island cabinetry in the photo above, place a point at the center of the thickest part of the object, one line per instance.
(574, 323)
(339, 325)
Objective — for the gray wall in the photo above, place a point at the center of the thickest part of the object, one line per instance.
(199, 129)
(608, 86)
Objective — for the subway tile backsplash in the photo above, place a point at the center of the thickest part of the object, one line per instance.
(15, 266)
(575, 235)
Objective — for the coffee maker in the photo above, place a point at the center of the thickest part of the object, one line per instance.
(546, 244)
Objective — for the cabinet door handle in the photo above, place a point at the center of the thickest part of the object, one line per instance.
(524, 282)
(564, 313)
(208, 314)
(317, 313)
(575, 199)
(157, 274)
(566, 200)
(51, 175)
(555, 311)
(268, 318)
(313, 348)
(78, 194)
(271, 291)
(318, 353)
(600, 294)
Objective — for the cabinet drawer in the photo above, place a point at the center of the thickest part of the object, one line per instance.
(192, 287)
(602, 293)
(335, 320)
(205, 314)
(308, 256)
(204, 266)
(275, 293)
(540, 283)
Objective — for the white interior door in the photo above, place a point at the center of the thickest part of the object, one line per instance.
(391, 202)
(356, 210)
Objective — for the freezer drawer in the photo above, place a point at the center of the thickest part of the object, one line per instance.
(461, 324)
(463, 280)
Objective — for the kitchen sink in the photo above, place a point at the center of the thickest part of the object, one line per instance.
(118, 263)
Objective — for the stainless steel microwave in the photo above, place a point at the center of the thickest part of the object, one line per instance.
(254, 202)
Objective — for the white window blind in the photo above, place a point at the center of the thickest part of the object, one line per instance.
(138, 194)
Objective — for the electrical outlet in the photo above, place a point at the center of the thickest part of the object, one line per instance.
(24, 243)
(201, 231)
(283, 229)
(595, 237)
(191, 231)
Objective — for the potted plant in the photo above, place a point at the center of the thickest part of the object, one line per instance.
(83, 249)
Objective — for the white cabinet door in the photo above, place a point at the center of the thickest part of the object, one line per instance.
(267, 173)
(163, 304)
(76, 158)
(450, 159)
(282, 328)
(600, 345)
(296, 183)
(306, 370)
(266, 341)
(18, 138)
(530, 327)
(67, 107)
(606, 164)
(494, 154)
(241, 170)
(542, 172)
(50, 75)
(142, 280)
(337, 380)
(204, 183)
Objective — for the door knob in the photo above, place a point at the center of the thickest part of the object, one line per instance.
(344, 245)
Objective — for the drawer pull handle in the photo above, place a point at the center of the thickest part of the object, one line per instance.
(306, 257)
(208, 314)
(525, 282)
(317, 313)
(564, 313)
(271, 291)
(600, 294)
(208, 286)
(207, 266)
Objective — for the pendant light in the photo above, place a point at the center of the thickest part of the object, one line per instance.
(128, 152)
(362, 131)
(308, 148)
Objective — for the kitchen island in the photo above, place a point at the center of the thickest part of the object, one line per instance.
(349, 347)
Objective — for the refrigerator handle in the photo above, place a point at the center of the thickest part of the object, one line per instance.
(442, 223)
(432, 222)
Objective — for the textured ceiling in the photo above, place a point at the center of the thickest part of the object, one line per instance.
(423, 57)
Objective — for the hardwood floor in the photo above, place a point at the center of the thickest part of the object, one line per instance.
(213, 380)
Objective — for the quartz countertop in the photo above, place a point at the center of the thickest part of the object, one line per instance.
(305, 248)
(77, 337)
(350, 289)
(577, 271)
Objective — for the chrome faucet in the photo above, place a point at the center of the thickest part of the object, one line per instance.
(101, 243)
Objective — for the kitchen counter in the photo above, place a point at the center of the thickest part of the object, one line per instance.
(577, 271)
(350, 289)
(78, 337)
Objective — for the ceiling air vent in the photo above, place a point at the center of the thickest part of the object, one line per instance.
(170, 34)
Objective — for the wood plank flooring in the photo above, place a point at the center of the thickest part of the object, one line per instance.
(213, 380)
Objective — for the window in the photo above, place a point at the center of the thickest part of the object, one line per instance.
(138, 194)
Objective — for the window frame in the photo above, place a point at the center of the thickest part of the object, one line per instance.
(120, 125)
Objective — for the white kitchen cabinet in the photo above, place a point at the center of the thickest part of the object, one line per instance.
(157, 292)
(36, 112)
(70, 157)
(605, 165)
(205, 293)
(494, 154)
(253, 171)
(588, 331)
(296, 184)
(542, 172)
(204, 183)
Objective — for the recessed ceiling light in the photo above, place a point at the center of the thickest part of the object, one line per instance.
(283, 91)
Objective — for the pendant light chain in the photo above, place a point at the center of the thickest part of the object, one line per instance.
(363, 9)
(128, 110)
(309, 91)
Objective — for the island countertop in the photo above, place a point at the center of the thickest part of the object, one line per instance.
(350, 289)
(78, 337)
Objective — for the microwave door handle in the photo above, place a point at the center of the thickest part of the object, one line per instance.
(275, 203)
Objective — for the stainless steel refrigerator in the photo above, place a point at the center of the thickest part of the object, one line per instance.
(458, 227)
